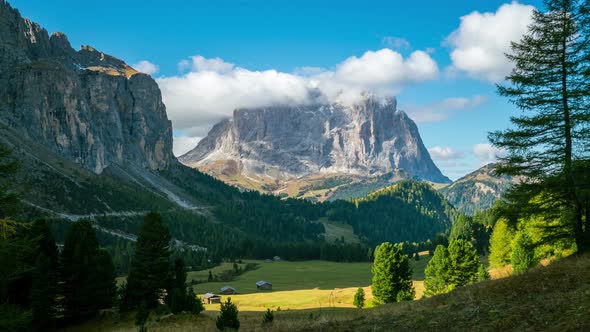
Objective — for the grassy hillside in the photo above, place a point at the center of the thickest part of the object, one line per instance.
(552, 298)
(547, 298)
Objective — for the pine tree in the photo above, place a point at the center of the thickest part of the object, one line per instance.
(550, 83)
(228, 316)
(392, 274)
(462, 229)
(149, 273)
(482, 273)
(523, 254)
(45, 275)
(85, 282)
(14, 250)
(9, 200)
(44, 294)
(105, 279)
(437, 273)
(359, 298)
(463, 263)
(196, 304)
(501, 244)
(177, 296)
(141, 317)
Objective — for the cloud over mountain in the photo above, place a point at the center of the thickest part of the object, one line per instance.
(210, 89)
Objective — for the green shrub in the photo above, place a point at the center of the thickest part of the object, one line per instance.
(359, 298)
(523, 253)
(268, 317)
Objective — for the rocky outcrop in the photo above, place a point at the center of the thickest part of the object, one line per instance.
(478, 190)
(370, 138)
(85, 105)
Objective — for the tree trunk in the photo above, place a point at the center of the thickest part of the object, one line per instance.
(582, 240)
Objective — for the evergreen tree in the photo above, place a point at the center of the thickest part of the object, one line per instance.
(462, 229)
(14, 250)
(392, 274)
(85, 282)
(359, 298)
(228, 316)
(149, 273)
(44, 294)
(523, 254)
(196, 304)
(41, 286)
(177, 293)
(141, 317)
(482, 273)
(437, 273)
(105, 280)
(9, 200)
(463, 263)
(550, 82)
(45, 276)
(501, 244)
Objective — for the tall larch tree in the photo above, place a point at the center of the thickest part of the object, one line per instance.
(550, 83)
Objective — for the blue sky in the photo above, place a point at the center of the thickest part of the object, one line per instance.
(454, 103)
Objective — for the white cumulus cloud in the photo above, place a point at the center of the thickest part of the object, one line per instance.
(444, 109)
(183, 144)
(487, 153)
(208, 90)
(444, 153)
(146, 67)
(482, 39)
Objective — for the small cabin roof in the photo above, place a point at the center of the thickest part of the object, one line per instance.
(210, 295)
(262, 282)
(224, 288)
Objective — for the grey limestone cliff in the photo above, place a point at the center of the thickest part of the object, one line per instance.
(369, 138)
(85, 105)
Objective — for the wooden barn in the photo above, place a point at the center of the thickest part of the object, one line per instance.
(228, 290)
(211, 298)
(263, 285)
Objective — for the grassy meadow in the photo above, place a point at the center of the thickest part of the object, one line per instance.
(299, 285)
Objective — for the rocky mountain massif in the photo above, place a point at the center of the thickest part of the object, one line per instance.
(74, 115)
(85, 105)
(271, 148)
(477, 190)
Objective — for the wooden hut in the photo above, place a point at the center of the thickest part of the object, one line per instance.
(263, 285)
(228, 290)
(211, 298)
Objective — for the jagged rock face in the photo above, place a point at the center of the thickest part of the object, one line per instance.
(370, 138)
(85, 105)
